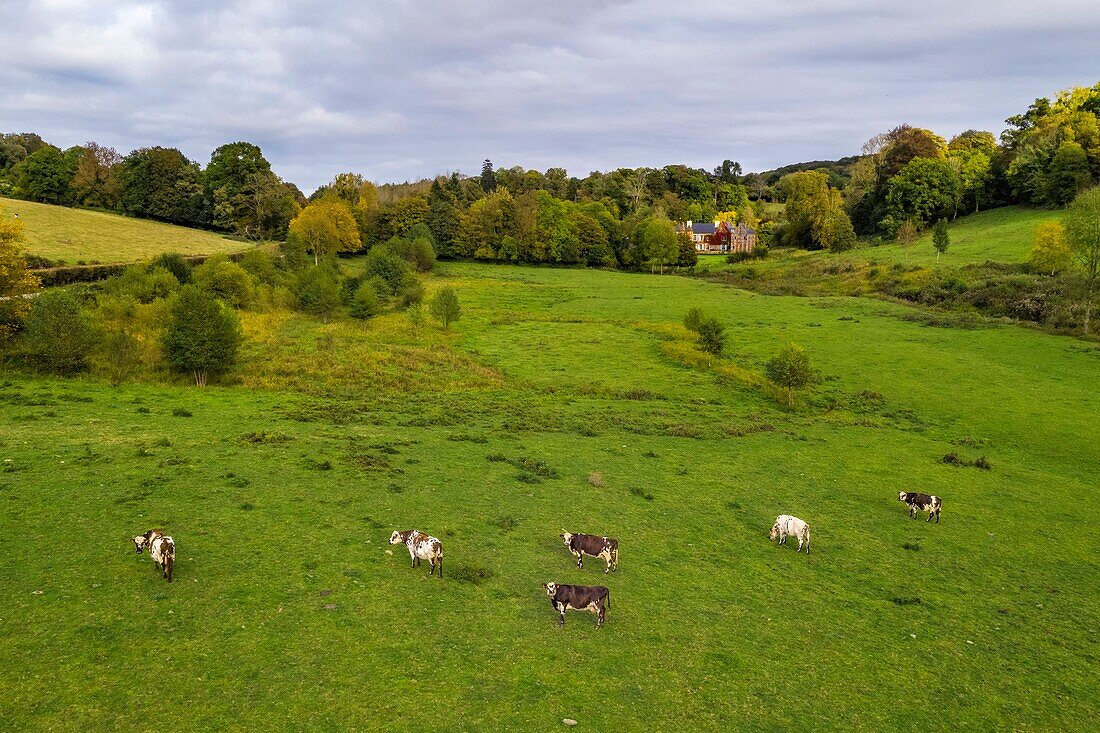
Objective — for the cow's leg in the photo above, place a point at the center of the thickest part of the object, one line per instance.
(441, 567)
(607, 558)
(799, 545)
(937, 516)
(561, 615)
(600, 614)
(580, 559)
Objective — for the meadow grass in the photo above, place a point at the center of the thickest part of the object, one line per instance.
(288, 613)
(80, 235)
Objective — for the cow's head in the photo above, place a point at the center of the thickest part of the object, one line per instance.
(139, 543)
(774, 531)
(395, 538)
(551, 588)
(903, 495)
(566, 536)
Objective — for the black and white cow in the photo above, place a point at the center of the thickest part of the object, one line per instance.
(921, 502)
(421, 547)
(591, 598)
(162, 548)
(593, 545)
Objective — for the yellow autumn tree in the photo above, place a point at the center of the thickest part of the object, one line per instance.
(1051, 252)
(326, 227)
(16, 280)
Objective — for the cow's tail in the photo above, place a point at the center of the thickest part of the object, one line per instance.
(807, 539)
(615, 556)
(607, 600)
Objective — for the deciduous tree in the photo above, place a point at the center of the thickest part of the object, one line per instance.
(203, 335)
(791, 370)
(1082, 223)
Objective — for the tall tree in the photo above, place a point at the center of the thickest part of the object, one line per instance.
(325, 227)
(488, 180)
(46, 174)
(1082, 223)
(16, 280)
(161, 183)
(95, 182)
(203, 335)
(443, 218)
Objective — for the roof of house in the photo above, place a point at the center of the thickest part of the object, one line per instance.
(699, 227)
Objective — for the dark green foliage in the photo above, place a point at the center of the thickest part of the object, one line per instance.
(693, 319)
(261, 266)
(317, 290)
(60, 336)
(389, 267)
(120, 355)
(940, 237)
(161, 183)
(226, 280)
(445, 308)
(176, 264)
(712, 336)
(365, 303)
(790, 370)
(203, 335)
(45, 175)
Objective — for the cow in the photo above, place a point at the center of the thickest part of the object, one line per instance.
(421, 547)
(921, 502)
(162, 549)
(591, 598)
(786, 525)
(593, 545)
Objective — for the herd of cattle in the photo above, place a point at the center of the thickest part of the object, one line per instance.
(590, 598)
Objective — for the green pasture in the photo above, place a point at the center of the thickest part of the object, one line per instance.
(76, 236)
(288, 613)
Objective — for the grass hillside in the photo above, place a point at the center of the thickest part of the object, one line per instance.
(562, 399)
(78, 235)
(1006, 234)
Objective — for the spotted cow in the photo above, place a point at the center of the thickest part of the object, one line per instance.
(593, 545)
(421, 547)
(591, 598)
(785, 526)
(921, 502)
(162, 549)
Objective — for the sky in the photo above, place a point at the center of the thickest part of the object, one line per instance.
(399, 90)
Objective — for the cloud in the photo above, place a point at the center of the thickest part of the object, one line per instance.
(405, 89)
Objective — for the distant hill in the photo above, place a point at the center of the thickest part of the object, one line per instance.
(839, 170)
(71, 236)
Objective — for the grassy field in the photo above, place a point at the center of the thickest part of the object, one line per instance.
(1006, 234)
(288, 613)
(78, 235)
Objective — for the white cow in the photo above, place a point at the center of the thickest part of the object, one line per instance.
(786, 525)
(161, 547)
(421, 547)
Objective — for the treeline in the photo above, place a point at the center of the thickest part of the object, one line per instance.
(236, 192)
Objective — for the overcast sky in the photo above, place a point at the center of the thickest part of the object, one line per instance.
(402, 89)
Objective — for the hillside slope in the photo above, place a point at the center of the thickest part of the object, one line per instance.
(79, 235)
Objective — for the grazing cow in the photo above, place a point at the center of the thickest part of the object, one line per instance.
(592, 598)
(593, 545)
(421, 547)
(786, 525)
(162, 549)
(921, 502)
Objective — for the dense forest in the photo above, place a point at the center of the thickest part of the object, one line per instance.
(903, 180)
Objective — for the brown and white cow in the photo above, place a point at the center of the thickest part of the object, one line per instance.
(785, 526)
(421, 547)
(162, 549)
(591, 598)
(921, 502)
(593, 545)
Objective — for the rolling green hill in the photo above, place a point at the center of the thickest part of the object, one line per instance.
(71, 236)
(562, 399)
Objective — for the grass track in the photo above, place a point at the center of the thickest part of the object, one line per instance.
(75, 235)
(711, 627)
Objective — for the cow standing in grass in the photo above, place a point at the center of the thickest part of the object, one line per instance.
(605, 548)
(591, 598)
(785, 526)
(921, 503)
(421, 547)
(162, 549)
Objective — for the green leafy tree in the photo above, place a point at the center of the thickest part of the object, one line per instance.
(712, 336)
(317, 290)
(176, 264)
(1069, 173)
(203, 335)
(923, 190)
(60, 334)
(445, 308)
(16, 281)
(656, 242)
(693, 319)
(488, 179)
(120, 355)
(940, 237)
(417, 318)
(95, 180)
(790, 370)
(365, 303)
(1082, 223)
(688, 256)
(161, 183)
(444, 218)
(226, 280)
(46, 174)
(1050, 252)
